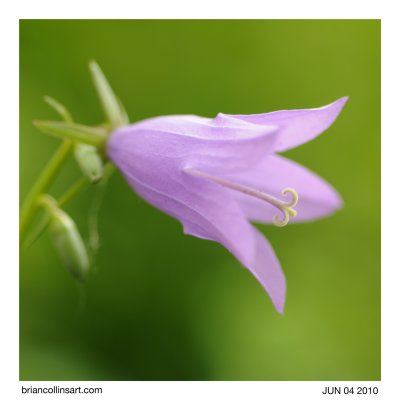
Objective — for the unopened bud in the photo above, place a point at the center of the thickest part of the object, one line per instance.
(69, 244)
(90, 162)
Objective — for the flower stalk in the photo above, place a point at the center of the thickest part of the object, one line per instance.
(44, 181)
(86, 142)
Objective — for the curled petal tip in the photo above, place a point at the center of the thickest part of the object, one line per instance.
(279, 305)
(342, 101)
(281, 310)
(337, 202)
(336, 106)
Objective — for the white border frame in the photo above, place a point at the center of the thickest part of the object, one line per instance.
(10, 387)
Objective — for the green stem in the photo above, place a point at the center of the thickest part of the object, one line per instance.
(43, 182)
(72, 191)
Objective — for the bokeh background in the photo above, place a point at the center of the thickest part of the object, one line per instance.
(164, 306)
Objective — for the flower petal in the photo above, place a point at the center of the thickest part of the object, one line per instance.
(316, 197)
(205, 211)
(266, 268)
(210, 212)
(263, 263)
(295, 126)
(189, 140)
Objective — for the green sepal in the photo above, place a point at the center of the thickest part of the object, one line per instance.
(76, 132)
(59, 108)
(90, 162)
(112, 107)
(124, 114)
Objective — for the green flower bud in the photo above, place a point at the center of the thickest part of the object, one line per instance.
(90, 162)
(69, 244)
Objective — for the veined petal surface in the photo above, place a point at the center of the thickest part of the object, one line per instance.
(207, 144)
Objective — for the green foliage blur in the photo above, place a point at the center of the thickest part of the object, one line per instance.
(164, 306)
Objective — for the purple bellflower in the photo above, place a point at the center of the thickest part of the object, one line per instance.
(216, 176)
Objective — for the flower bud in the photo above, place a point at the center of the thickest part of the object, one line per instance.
(69, 244)
(90, 162)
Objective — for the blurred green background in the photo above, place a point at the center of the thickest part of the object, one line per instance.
(164, 306)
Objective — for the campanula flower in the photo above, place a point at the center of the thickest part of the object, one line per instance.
(216, 176)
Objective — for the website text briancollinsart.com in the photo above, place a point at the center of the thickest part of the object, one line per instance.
(60, 390)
